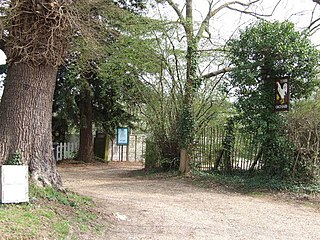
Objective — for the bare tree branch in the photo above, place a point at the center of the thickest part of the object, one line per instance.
(178, 12)
(313, 23)
(205, 23)
(254, 14)
(218, 72)
(312, 26)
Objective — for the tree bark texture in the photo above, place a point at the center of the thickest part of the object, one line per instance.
(25, 119)
(184, 166)
(86, 141)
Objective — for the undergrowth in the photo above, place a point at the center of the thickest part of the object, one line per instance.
(238, 181)
(259, 182)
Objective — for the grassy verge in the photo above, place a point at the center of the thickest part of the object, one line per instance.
(50, 215)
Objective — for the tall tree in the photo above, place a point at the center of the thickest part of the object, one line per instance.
(34, 38)
(164, 98)
(196, 38)
(104, 81)
(110, 17)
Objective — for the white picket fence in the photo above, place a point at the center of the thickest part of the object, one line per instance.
(134, 152)
(65, 150)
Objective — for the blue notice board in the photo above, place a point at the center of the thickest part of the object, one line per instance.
(122, 136)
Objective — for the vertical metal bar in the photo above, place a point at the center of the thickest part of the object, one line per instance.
(237, 151)
(135, 147)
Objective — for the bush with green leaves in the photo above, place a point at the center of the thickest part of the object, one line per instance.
(304, 132)
(264, 52)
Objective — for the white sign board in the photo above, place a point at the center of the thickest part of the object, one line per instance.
(14, 186)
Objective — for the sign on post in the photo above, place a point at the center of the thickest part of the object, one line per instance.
(282, 94)
(122, 136)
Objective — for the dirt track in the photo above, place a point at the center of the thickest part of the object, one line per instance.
(141, 208)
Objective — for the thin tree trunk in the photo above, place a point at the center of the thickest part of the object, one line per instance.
(183, 160)
(218, 159)
(184, 166)
(25, 119)
(256, 159)
(187, 117)
(86, 140)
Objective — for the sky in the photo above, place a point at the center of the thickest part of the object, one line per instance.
(225, 23)
(297, 11)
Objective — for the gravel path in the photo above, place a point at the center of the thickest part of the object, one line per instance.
(141, 208)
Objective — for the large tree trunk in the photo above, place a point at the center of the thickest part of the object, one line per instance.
(86, 143)
(35, 39)
(25, 119)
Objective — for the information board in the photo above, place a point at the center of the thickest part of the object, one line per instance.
(122, 136)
